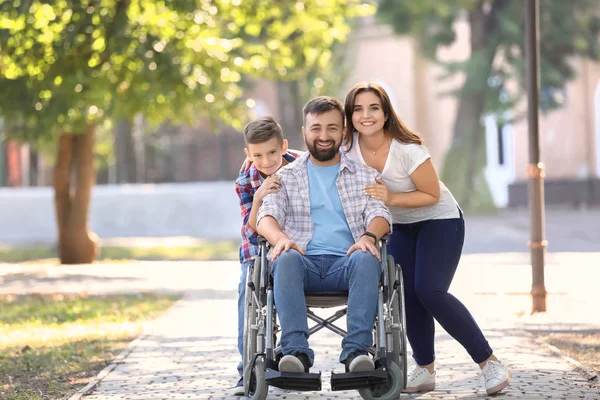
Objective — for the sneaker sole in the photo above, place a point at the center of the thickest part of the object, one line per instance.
(428, 387)
(239, 392)
(501, 386)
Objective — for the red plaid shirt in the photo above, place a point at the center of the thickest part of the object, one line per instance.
(245, 186)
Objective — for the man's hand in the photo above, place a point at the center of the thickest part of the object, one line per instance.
(270, 185)
(365, 243)
(284, 244)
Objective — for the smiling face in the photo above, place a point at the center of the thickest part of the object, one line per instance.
(267, 156)
(368, 117)
(323, 136)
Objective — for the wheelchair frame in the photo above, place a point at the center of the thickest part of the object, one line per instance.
(260, 357)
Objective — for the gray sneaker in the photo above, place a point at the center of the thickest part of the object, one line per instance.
(359, 363)
(297, 364)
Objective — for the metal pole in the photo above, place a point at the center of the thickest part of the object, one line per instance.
(535, 169)
(1, 152)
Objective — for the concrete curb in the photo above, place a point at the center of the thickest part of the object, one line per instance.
(120, 359)
(590, 375)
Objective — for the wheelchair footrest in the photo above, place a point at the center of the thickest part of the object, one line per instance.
(358, 380)
(293, 381)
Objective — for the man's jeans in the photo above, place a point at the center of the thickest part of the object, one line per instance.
(241, 296)
(295, 274)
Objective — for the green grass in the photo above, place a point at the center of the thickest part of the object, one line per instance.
(206, 251)
(51, 346)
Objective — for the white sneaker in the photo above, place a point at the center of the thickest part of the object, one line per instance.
(497, 376)
(420, 380)
(238, 390)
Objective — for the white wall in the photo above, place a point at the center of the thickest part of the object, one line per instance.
(207, 210)
(499, 176)
(597, 117)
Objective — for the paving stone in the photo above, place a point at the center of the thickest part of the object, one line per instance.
(183, 357)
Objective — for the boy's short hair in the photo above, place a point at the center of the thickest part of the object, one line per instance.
(261, 130)
(322, 104)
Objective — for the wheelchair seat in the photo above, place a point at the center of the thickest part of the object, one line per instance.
(326, 299)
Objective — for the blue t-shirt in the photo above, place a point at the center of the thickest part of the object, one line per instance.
(331, 235)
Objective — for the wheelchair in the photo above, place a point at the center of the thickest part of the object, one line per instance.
(261, 357)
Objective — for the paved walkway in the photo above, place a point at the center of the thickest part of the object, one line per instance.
(189, 353)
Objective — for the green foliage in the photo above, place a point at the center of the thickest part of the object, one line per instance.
(567, 29)
(204, 251)
(63, 63)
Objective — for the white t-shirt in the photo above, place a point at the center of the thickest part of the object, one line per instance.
(402, 161)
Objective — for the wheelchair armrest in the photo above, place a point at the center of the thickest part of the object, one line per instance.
(385, 238)
(262, 240)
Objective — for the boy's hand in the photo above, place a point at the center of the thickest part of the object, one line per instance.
(284, 244)
(270, 185)
(365, 243)
(246, 164)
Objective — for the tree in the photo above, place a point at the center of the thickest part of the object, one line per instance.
(67, 65)
(567, 29)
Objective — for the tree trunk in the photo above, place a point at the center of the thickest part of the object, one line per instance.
(75, 158)
(290, 111)
(34, 168)
(465, 161)
(125, 152)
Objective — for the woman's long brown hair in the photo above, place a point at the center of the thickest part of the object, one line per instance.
(393, 125)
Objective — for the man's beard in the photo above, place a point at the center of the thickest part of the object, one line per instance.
(323, 155)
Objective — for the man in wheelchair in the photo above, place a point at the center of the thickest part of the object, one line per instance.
(324, 234)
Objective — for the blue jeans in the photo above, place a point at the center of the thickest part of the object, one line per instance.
(241, 296)
(294, 274)
(429, 252)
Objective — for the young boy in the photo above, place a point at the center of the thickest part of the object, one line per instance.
(267, 150)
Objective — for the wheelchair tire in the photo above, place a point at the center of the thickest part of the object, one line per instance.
(388, 391)
(257, 386)
(250, 335)
(403, 340)
(398, 323)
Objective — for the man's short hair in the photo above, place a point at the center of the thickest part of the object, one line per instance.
(261, 130)
(322, 104)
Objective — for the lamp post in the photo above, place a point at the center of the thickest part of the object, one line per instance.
(1, 152)
(535, 169)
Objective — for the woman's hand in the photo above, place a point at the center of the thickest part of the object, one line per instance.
(379, 191)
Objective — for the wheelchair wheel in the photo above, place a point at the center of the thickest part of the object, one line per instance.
(398, 323)
(257, 386)
(390, 390)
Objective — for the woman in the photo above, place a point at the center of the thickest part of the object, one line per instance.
(428, 233)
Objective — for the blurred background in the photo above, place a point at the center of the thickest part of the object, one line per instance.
(130, 111)
(120, 140)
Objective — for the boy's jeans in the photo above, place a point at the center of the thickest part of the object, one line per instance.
(295, 274)
(241, 296)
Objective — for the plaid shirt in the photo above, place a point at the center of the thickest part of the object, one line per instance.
(291, 205)
(245, 186)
